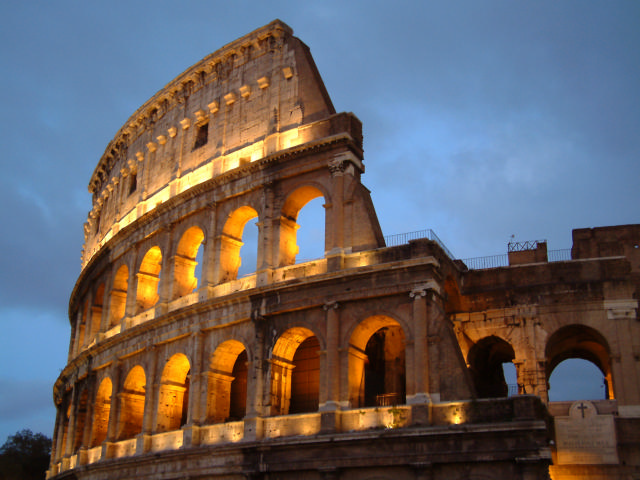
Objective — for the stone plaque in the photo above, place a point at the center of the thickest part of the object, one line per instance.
(584, 437)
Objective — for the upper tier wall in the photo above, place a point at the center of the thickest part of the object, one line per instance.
(246, 101)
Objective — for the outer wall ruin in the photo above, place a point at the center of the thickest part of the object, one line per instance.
(372, 362)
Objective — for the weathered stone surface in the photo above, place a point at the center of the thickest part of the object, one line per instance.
(369, 361)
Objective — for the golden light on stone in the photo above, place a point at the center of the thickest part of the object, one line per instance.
(179, 365)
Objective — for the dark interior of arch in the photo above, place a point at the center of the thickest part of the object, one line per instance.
(485, 363)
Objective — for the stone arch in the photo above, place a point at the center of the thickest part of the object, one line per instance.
(184, 278)
(231, 241)
(119, 295)
(131, 403)
(294, 203)
(101, 412)
(173, 397)
(148, 279)
(377, 366)
(296, 348)
(580, 341)
(227, 384)
(484, 360)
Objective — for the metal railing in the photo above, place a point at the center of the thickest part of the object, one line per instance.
(561, 255)
(496, 261)
(402, 238)
(522, 246)
(492, 261)
(478, 263)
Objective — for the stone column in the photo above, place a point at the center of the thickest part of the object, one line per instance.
(266, 237)
(132, 292)
(330, 371)
(194, 414)
(624, 367)
(332, 380)
(150, 415)
(335, 224)
(167, 274)
(255, 385)
(114, 412)
(56, 449)
(77, 340)
(424, 297)
(71, 428)
(191, 429)
(208, 256)
(88, 421)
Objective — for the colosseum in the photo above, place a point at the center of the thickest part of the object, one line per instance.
(383, 359)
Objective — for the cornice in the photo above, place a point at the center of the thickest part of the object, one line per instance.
(214, 67)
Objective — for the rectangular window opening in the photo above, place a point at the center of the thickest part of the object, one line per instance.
(133, 183)
(202, 136)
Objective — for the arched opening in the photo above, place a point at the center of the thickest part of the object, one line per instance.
(101, 411)
(81, 418)
(185, 280)
(173, 398)
(296, 348)
(578, 362)
(227, 389)
(249, 250)
(132, 404)
(119, 296)
(510, 373)
(377, 363)
(231, 242)
(289, 226)
(96, 312)
(305, 378)
(577, 379)
(311, 232)
(148, 279)
(485, 361)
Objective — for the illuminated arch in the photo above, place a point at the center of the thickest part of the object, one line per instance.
(148, 279)
(131, 406)
(291, 392)
(119, 295)
(231, 242)
(296, 200)
(227, 385)
(485, 361)
(580, 341)
(377, 363)
(101, 412)
(173, 399)
(184, 279)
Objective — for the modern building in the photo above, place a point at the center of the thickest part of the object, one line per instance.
(383, 359)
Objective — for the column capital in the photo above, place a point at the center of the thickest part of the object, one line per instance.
(421, 290)
(621, 309)
(332, 305)
(344, 162)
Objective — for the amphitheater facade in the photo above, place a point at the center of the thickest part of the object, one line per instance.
(380, 360)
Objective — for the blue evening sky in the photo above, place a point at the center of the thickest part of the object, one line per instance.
(482, 120)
